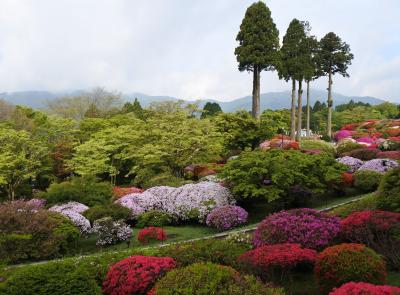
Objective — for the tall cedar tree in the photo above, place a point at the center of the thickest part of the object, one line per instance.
(210, 109)
(333, 57)
(291, 64)
(258, 48)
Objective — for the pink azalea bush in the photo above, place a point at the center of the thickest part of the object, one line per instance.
(343, 134)
(360, 288)
(307, 227)
(226, 217)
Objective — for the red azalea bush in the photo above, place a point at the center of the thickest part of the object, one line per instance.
(347, 179)
(350, 127)
(308, 227)
(344, 263)
(394, 155)
(136, 274)
(123, 191)
(273, 262)
(379, 230)
(365, 289)
(150, 234)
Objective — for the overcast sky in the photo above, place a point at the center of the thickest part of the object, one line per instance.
(182, 48)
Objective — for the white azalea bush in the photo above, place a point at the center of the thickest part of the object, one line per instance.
(188, 202)
(111, 232)
(73, 211)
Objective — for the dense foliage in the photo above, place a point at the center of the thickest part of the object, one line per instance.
(226, 217)
(307, 227)
(274, 174)
(365, 289)
(344, 263)
(367, 180)
(154, 218)
(111, 232)
(389, 192)
(115, 211)
(136, 274)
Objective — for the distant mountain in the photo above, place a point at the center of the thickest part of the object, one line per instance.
(270, 100)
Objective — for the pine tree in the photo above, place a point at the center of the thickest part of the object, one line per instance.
(210, 109)
(334, 57)
(258, 48)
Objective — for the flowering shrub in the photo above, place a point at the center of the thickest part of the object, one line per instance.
(209, 278)
(274, 262)
(343, 134)
(394, 155)
(353, 163)
(151, 233)
(376, 229)
(226, 217)
(111, 232)
(72, 210)
(367, 140)
(119, 192)
(37, 203)
(379, 165)
(308, 227)
(344, 263)
(365, 289)
(347, 179)
(240, 238)
(136, 274)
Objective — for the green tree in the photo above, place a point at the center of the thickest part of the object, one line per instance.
(272, 121)
(258, 48)
(334, 57)
(20, 159)
(211, 109)
(389, 110)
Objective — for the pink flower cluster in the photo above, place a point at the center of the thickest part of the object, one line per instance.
(353, 288)
(226, 217)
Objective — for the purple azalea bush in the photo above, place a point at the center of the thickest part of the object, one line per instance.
(111, 232)
(73, 211)
(226, 217)
(191, 201)
(308, 227)
(72, 206)
(37, 203)
(353, 163)
(379, 165)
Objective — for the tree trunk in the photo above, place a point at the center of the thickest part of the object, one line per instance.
(299, 110)
(11, 192)
(329, 125)
(293, 111)
(308, 109)
(256, 94)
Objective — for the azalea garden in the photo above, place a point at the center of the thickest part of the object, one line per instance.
(114, 198)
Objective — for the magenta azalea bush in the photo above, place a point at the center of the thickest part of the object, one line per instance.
(379, 165)
(226, 217)
(188, 202)
(308, 227)
(343, 134)
(353, 163)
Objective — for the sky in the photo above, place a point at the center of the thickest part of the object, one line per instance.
(182, 48)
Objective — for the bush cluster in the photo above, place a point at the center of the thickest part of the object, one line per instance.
(115, 211)
(227, 217)
(307, 227)
(136, 274)
(389, 192)
(151, 233)
(208, 278)
(345, 263)
(367, 180)
(320, 145)
(364, 154)
(154, 218)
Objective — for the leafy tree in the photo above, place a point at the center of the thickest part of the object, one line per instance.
(351, 105)
(210, 109)
(20, 159)
(134, 107)
(389, 110)
(272, 121)
(355, 115)
(334, 57)
(258, 48)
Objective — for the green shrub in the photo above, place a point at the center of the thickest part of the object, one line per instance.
(346, 147)
(217, 251)
(147, 177)
(84, 190)
(50, 278)
(276, 174)
(389, 192)
(366, 203)
(325, 147)
(364, 154)
(209, 278)
(31, 234)
(115, 211)
(367, 180)
(153, 218)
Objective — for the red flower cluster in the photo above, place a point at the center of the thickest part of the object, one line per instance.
(123, 191)
(151, 233)
(365, 289)
(349, 127)
(394, 155)
(136, 274)
(344, 263)
(347, 179)
(266, 260)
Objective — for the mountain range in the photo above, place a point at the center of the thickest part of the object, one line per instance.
(269, 100)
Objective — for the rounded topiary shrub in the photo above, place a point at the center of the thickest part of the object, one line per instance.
(223, 252)
(307, 227)
(115, 211)
(379, 230)
(154, 218)
(227, 217)
(389, 192)
(275, 262)
(344, 263)
(209, 278)
(55, 278)
(365, 289)
(136, 274)
(367, 180)
(151, 233)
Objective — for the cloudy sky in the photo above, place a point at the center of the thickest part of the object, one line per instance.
(182, 48)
